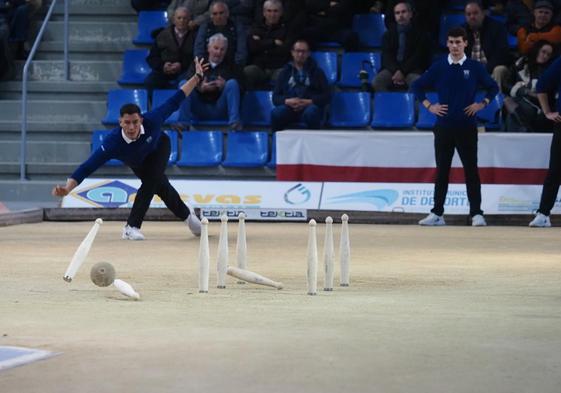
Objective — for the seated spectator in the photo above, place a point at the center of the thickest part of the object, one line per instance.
(487, 42)
(541, 28)
(406, 52)
(149, 5)
(523, 108)
(16, 18)
(219, 92)
(301, 92)
(519, 13)
(172, 53)
(200, 10)
(328, 21)
(220, 22)
(268, 48)
(6, 61)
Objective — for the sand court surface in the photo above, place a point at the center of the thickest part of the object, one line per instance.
(452, 309)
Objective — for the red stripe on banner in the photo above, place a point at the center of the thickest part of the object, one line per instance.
(404, 175)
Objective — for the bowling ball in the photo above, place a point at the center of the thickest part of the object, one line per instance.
(102, 274)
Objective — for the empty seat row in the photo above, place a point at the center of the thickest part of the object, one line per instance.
(347, 109)
(206, 149)
(135, 68)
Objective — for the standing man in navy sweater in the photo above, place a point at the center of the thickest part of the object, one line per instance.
(141, 144)
(456, 80)
(550, 82)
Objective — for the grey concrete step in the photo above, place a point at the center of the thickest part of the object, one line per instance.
(81, 12)
(92, 32)
(84, 50)
(80, 70)
(61, 90)
(45, 152)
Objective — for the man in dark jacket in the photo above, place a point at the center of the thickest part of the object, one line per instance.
(268, 47)
(218, 95)
(171, 54)
(487, 42)
(220, 22)
(301, 91)
(405, 51)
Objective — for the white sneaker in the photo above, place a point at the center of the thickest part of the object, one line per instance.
(540, 221)
(194, 224)
(478, 221)
(432, 220)
(132, 233)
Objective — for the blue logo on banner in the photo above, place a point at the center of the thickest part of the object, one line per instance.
(297, 195)
(112, 194)
(378, 198)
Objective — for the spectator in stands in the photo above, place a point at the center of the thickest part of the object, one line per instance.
(406, 52)
(268, 47)
(456, 80)
(301, 92)
(523, 107)
(220, 22)
(6, 61)
(328, 21)
(542, 28)
(487, 42)
(140, 143)
(519, 13)
(199, 10)
(550, 83)
(172, 53)
(149, 5)
(219, 92)
(15, 16)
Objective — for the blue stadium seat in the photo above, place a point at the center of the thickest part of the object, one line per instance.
(273, 161)
(448, 21)
(490, 116)
(118, 97)
(187, 116)
(148, 21)
(353, 62)
(393, 110)
(135, 68)
(97, 139)
(370, 28)
(512, 41)
(174, 142)
(256, 108)
(161, 96)
(350, 109)
(201, 148)
(426, 119)
(247, 149)
(327, 61)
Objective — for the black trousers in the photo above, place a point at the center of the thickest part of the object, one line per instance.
(154, 181)
(463, 139)
(553, 177)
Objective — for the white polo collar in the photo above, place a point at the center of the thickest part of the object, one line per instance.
(127, 139)
(460, 62)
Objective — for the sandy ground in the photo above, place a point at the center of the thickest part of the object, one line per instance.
(454, 309)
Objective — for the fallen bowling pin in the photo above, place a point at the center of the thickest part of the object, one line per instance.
(126, 289)
(252, 277)
(81, 252)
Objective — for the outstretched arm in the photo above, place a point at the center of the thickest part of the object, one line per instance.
(197, 78)
(61, 191)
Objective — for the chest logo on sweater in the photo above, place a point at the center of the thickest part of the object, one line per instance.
(466, 74)
(149, 139)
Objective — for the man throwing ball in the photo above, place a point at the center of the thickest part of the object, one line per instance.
(140, 143)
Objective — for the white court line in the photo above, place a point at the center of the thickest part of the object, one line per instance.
(18, 356)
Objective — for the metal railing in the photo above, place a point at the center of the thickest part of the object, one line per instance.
(23, 143)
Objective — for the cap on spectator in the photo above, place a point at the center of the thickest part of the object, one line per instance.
(543, 4)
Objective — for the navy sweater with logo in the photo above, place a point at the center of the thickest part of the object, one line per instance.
(456, 86)
(132, 154)
(550, 82)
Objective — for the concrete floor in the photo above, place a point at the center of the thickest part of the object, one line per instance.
(454, 309)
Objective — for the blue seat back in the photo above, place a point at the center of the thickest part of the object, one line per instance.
(247, 149)
(135, 68)
(148, 21)
(273, 161)
(448, 21)
(353, 62)
(256, 108)
(426, 119)
(174, 142)
(116, 98)
(490, 116)
(161, 96)
(327, 61)
(370, 28)
(201, 148)
(393, 110)
(97, 138)
(350, 109)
